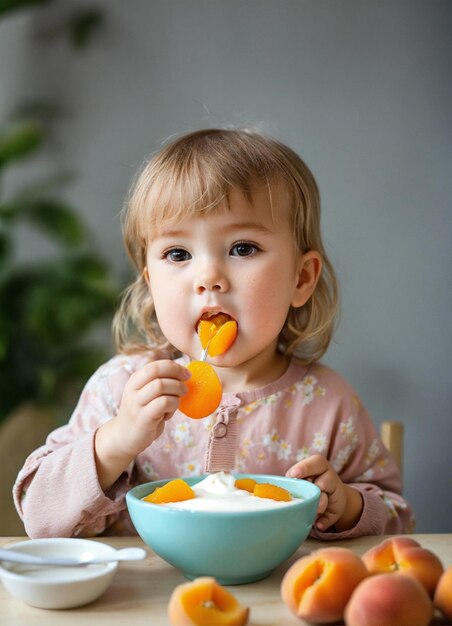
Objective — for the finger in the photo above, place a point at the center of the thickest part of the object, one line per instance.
(158, 369)
(327, 481)
(159, 409)
(160, 387)
(323, 503)
(312, 466)
(325, 521)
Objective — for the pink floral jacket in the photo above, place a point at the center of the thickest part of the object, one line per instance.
(309, 410)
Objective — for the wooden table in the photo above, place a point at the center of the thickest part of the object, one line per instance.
(140, 591)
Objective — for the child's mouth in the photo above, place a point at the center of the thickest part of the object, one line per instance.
(216, 331)
(218, 318)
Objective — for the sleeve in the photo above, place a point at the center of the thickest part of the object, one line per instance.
(362, 461)
(57, 492)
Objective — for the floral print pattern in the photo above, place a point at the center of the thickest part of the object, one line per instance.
(309, 410)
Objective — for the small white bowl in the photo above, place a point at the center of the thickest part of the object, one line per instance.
(54, 587)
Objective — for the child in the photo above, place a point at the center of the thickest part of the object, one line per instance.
(219, 221)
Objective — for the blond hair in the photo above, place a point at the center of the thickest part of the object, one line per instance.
(193, 175)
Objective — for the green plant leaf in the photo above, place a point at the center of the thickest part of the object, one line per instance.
(83, 25)
(4, 336)
(18, 140)
(7, 6)
(90, 270)
(57, 219)
(5, 249)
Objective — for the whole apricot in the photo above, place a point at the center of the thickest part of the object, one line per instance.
(403, 555)
(317, 587)
(204, 602)
(443, 593)
(388, 600)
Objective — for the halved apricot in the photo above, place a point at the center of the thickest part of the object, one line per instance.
(317, 587)
(176, 490)
(204, 602)
(218, 333)
(204, 391)
(247, 484)
(273, 492)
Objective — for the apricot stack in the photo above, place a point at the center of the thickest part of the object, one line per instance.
(204, 602)
(398, 582)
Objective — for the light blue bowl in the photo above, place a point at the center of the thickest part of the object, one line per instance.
(234, 548)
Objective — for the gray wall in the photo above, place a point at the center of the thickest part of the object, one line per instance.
(362, 89)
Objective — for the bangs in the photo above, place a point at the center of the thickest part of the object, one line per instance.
(195, 175)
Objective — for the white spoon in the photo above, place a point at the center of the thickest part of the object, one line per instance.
(125, 554)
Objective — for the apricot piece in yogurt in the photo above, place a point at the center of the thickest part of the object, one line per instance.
(204, 602)
(176, 490)
(204, 391)
(246, 484)
(218, 333)
(266, 490)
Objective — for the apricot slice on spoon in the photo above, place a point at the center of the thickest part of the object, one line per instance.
(217, 334)
(204, 391)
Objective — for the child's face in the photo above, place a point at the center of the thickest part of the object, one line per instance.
(237, 261)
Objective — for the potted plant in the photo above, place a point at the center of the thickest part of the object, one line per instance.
(51, 307)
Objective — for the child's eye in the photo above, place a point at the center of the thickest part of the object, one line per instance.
(243, 248)
(176, 255)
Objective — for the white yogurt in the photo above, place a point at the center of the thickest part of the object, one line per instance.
(218, 493)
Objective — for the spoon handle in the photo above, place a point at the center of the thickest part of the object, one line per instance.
(17, 557)
(126, 554)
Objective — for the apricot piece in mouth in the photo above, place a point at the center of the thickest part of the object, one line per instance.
(217, 333)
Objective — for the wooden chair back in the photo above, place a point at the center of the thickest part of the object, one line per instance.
(391, 433)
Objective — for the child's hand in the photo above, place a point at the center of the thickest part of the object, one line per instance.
(150, 397)
(339, 503)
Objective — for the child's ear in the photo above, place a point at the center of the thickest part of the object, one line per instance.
(146, 275)
(308, 273)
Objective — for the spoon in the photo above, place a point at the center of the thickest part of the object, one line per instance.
(125, 554)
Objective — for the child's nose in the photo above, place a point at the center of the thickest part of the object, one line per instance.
(211, 279)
